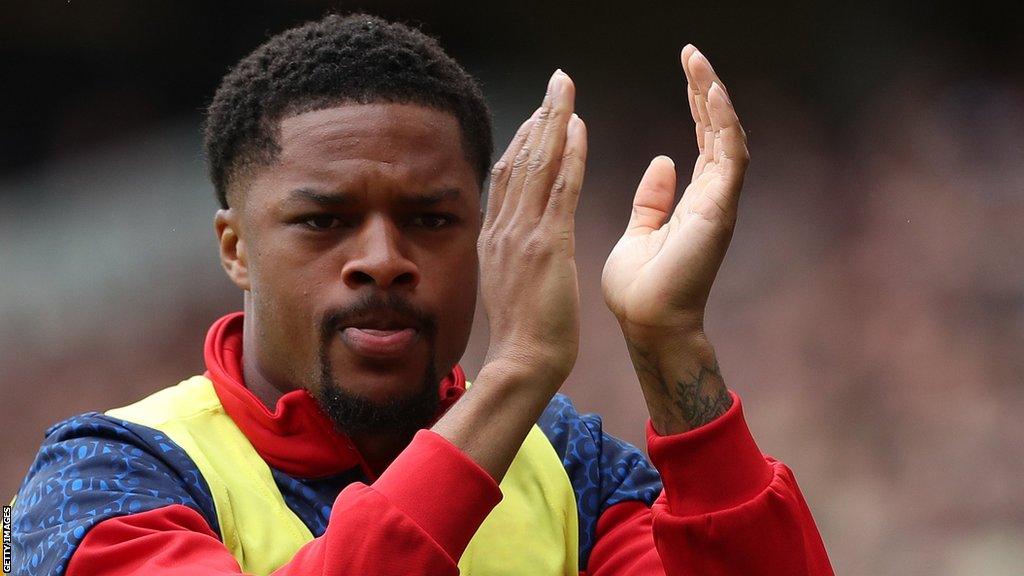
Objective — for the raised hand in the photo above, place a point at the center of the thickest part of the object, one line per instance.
(660, 272)
(527, 243)
(528, 283)
(659, 275)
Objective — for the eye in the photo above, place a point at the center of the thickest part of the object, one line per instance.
(322, 222)
(432, 221)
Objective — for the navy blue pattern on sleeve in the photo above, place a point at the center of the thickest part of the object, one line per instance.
(91, 468)
(604, 470)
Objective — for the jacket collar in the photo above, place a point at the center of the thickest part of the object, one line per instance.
(297, 438)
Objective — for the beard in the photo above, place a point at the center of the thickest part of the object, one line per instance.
(354, 414)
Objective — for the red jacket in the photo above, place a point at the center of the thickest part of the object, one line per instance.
(714, 504)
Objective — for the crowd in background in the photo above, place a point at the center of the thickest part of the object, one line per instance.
(870, 312)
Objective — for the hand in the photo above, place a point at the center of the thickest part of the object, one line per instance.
(528, 284)
(658, 276)
(527, 245)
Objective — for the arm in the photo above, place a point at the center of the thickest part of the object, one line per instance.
(528, 283)
(428, 504)
(719, 494)
(105, 498)
(726, 509)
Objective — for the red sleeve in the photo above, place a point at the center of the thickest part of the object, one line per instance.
(427, 505)
(726, 509)
(624, 542)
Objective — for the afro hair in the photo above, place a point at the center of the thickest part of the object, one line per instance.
(336, 60)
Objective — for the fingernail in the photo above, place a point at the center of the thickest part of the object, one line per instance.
(670, 161)
(553, 81)
(725, 95)
(575, 124)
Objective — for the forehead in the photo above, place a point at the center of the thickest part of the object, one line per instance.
(359, 148)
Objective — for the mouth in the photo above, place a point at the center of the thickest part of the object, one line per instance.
(380, 336)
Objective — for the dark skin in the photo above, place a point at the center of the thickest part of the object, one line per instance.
(342, 214)
(362, 200)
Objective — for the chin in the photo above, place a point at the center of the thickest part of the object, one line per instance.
(373, 398)
(378, 380)
(378, 387)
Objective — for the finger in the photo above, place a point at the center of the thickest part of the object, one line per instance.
(692, 90)
(702, 72)
(731, 147)
(684, 57)
(716, 196)
(503, 168)
(704, 134)
(546, 157)
(565, 192)
(654, 196)
(517, 170)
(700, 84)
(704, 76)
(716, 126)
(701, 162)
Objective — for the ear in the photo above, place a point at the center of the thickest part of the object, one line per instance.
(233, 257)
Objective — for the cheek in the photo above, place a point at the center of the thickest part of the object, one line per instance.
(283, 302)
(458, 291)
(289, 275)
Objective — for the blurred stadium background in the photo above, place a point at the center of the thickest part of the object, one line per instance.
(870, 312)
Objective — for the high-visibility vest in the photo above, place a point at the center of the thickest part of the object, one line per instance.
(533, 530)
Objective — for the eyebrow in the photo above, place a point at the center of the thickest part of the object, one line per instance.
(338, 199)
(301, 195)
(431, 198)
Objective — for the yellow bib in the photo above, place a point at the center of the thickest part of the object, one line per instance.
(532, 531)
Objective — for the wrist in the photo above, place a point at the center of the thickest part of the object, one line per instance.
(535, 364)
(670, 341)
(491, 420)
(680, 379)
(521, 379)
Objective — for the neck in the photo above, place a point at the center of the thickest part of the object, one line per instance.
(260, 386)
(267, 391)
(380, 449)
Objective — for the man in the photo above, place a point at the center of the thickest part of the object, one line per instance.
(334, 432)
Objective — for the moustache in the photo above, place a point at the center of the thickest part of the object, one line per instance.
(390, 306)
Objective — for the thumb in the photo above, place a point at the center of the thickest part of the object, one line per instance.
(652, 204)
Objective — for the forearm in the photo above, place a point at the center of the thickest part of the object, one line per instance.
(725, 509)
(489, 423)
(429, 503)
(679, 376)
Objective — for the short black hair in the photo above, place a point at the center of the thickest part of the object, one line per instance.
(338, 59)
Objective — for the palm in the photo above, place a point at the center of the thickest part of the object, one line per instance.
(660, 272)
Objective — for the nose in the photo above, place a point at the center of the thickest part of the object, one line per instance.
(378, 259)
